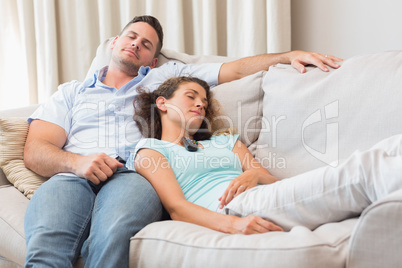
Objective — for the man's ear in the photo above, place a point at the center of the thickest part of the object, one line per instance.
(161, 103)
(114, 42)
(154, 62)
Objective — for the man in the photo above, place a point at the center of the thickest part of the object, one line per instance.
(92, 204)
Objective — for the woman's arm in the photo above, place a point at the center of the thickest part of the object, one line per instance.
(156, 169)
(253, 174)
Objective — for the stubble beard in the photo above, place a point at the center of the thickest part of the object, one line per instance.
(126, 65)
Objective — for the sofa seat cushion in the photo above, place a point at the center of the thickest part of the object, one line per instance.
(12, 212)
(180, 244)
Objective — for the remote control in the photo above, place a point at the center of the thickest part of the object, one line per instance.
(190, 145)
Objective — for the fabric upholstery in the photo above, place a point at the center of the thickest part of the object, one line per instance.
(12, 212)
(180, 244)
(317, 118)
(376, 240)
(3, 179)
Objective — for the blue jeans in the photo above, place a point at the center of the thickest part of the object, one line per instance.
(69, 216)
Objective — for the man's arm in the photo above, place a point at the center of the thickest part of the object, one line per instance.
(298, 59)
(44, 155)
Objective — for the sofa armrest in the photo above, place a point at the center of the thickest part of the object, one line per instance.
(376, 241)
(19, 112)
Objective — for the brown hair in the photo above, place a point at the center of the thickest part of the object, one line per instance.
(154, 24)
(147, 115)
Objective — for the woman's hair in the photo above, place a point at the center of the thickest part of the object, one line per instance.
(147, 115)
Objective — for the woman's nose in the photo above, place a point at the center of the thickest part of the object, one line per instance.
(200, 104)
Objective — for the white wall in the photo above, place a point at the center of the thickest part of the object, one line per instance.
(346, 28)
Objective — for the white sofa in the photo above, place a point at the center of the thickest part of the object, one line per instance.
(292, 123)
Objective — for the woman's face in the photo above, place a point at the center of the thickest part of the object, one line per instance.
(188, 106)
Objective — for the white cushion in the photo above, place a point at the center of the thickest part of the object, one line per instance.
(241, 103)
(180, 244)
(317, 118)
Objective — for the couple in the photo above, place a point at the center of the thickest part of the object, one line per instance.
(93, 204)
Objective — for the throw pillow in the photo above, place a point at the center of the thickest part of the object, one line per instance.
(241, 105)
(13, 134)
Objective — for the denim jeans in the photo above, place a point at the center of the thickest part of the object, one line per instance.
(68, 216)
(326, 194)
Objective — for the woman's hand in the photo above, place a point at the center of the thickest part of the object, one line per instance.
(253, 225)
(243, 182)
(253, 174)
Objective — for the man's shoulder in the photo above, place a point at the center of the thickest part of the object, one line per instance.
(75, 86)
(170, 65)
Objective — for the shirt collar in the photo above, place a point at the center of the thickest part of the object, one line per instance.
(100, 74)
(91, 81)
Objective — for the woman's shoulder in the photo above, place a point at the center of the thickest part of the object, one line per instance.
(151, 143)
(146, 143)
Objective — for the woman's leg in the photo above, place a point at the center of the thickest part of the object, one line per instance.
(57, 221)
(125, 204)
(327, 194)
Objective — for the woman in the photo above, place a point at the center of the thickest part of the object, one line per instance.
(212, 180)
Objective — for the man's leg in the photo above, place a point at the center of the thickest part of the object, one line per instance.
(57, 222)
(327, 194)
(125, 204)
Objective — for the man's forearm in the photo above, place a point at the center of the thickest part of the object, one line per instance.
(249, 65)
(47, 159)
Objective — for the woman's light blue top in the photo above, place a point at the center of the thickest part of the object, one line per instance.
(203, 175)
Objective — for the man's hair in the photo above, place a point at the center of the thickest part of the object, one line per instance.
(154, 24)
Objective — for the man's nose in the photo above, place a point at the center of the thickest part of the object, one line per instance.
(135, 45)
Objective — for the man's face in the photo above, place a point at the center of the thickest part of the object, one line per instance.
(136, 47)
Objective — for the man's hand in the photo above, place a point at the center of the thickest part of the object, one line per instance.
(253, 225)
(96, 167)
(299, 59)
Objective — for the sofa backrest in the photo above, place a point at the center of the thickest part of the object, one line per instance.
(317, 118)
(104, 53)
